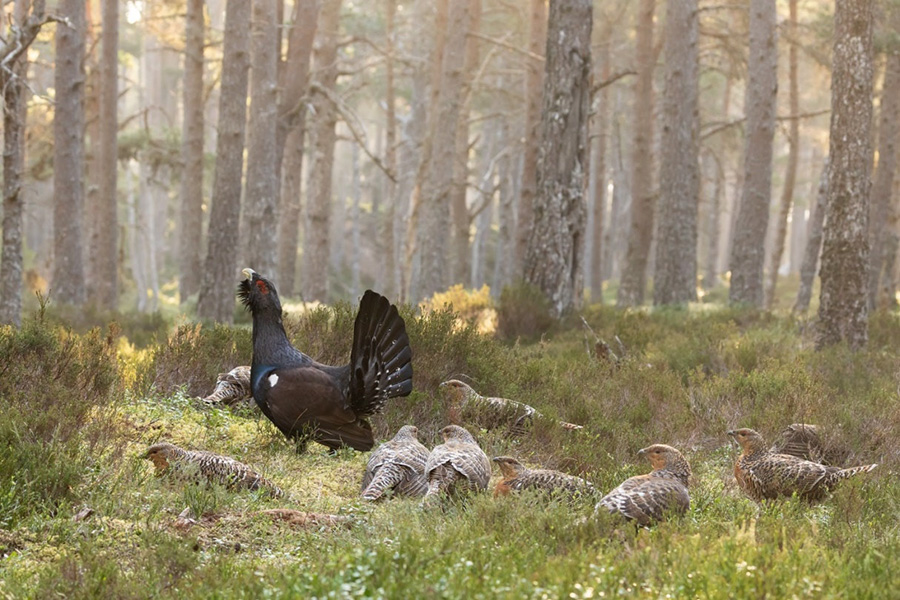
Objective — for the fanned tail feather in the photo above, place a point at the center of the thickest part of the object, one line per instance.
(845, 473)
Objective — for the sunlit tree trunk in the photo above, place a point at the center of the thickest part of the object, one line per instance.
(534, 88)
(314, 280)
(675, 280)
(555, 254)
(216, 300)
(68, 157)
(289, 147)
(432, 232)
(790, 174)
(633, 281)
(260, 207)
(843, 301)
(748, 251)
(191, 221)
(392, 225)
(594, 274)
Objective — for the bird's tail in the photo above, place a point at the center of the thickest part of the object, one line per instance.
(846, 473)
(570, 426)
(380, 360)
(433, 495)
(386, 478)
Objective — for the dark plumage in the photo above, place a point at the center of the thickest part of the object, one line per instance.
(517, 477)
(494, 412)
(764, 475)
(231, 387)
(304, 398)
(458, 464)
(648, 498)
(196, 465)
(398, 464)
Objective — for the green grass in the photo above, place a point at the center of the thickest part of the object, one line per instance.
(78, 416)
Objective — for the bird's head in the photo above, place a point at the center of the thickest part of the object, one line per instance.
(749, 440)
(509, 466)
(457, 434)
(407, 432)
(258, 294)
(160, 455)
(663, 457)
(459, 391)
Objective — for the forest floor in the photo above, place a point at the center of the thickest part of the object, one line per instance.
(81, 409)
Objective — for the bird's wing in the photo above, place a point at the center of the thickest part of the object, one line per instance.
(380, 361)
(792, 474)
(294, 397)
(473, 464)
(649, 501)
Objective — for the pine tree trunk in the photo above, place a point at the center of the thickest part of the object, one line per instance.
(356, 237)
(843, 301)
(391, 228)
(884, 174)
(711, 276)
(289, 212)
(555, 254)
(813, 249)
(68, 157)
(190, 235)
(260, 209)
(534, 88)
(316, 247)
(504, 257)
(432, 240)
(216, 300)
(790, 175)
(633, 281)
(748, 251)
(598, 175)
(104, 279)
(675, 281)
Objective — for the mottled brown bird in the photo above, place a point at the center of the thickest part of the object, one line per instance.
(232, 387)
(648, 498)
(764, 475)
(193, 466)
(493, 412)
(398, 464)
(517, 476)
(805, 441)
(458, 464)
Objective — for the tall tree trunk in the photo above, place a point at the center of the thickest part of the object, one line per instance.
(15, 115)
(618, 213)
(555, 253)
(504, 260)
(458, 209)
(843, 301)
(675, 281)
(813, 243)
(216, 300)
(191, 217)
(68, 157)
(598, 175)
(260, 218)
(392, 226)
(294, 83)
(711, 276)
(92, 169)
(104, 282)
(790, 175)
(432, 239)
(318, 207)
(884, 173)
(356, 237)
(633, 282)
(534, 88)
(748, 251)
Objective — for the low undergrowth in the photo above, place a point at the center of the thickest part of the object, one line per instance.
(80, 409)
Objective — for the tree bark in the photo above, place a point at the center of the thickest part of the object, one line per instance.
(813, 243)
(884, 173)
(675, 280)
(318, 208)
(598, 175)
(790, 175)
(843, 301)
(260, 218)
(534, 87)
(216, 300)
(432, 239)
(190, 235)
(633, 281)
(748, 251)
(458, 208)
(392, 226)
(555, 253)
(68, 157)
(294, 84)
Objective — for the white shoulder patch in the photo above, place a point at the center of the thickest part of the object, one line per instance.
(273, 379)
